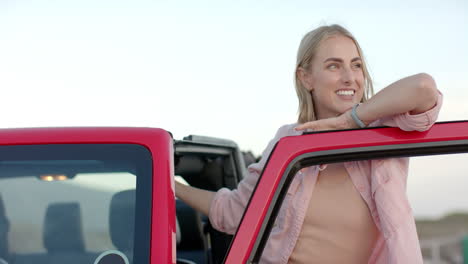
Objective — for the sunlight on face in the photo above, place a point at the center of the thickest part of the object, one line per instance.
(336, 76)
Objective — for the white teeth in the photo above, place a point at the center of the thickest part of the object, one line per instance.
(345, 92)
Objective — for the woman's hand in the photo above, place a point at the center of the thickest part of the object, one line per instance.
(343, 121)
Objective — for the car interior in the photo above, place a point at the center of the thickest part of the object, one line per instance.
(209, 164)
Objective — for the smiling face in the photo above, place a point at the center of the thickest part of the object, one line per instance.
(335, 77)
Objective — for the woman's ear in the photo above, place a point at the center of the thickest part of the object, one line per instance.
(305, 77)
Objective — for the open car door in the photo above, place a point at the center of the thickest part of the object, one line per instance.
(291, 154)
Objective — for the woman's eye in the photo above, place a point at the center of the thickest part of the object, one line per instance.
(357, 65)
(332, 66)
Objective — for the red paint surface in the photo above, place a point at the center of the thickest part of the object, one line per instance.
(289, 148)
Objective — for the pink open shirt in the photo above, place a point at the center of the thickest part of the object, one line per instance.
(381, 183)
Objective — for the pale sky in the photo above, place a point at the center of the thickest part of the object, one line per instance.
(215, 68)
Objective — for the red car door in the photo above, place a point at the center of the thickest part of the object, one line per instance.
(293, 153)
(87, 195)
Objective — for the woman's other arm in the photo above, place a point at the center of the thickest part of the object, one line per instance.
(196, 198)
(415, 94)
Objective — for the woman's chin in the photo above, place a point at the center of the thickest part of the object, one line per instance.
(345, 107)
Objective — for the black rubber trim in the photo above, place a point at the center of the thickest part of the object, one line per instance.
(366, 128)
(343, 155)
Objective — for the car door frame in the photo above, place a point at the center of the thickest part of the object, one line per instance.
(292, 153)
(161, 225)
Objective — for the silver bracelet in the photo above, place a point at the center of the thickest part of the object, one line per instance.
(356, 118)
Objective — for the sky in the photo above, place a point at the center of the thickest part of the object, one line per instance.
(213, 68)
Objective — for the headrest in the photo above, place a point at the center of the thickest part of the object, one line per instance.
(122, 219)
(62, 228)
(211, 177)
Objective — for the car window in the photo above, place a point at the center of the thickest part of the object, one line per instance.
(85, 197)
(436, 191)
(72, 203)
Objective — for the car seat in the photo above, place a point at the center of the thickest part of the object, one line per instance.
(62, 228)
(193, 245)
(4, 229)
(122, 221)
(63, 234)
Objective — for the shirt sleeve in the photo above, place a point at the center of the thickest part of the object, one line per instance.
(418, 122)
(227, 206)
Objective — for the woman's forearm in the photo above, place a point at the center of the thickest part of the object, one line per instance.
(415, 94)
(196, 198)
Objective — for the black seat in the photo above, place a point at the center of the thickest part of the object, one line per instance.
(4, 229)
(192, 245)
(122, 221)
(63, 234)
(62, 237)
(62, 228)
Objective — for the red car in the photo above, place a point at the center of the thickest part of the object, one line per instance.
(106, 195)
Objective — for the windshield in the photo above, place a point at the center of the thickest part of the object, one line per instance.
(72, 203)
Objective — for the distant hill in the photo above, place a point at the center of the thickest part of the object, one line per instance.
(452, 224)
(450, 227)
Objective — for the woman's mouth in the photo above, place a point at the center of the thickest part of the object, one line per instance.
(345, 94)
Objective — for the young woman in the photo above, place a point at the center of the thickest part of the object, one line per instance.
(355, 212)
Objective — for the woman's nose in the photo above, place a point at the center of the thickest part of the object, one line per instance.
(347, 76)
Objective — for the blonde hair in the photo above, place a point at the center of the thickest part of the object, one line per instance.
(307, 50)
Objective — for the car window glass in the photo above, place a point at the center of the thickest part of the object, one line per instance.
(87, 197)
(436, 191)
(69, 203)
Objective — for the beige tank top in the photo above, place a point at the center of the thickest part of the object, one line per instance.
(338, 227)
